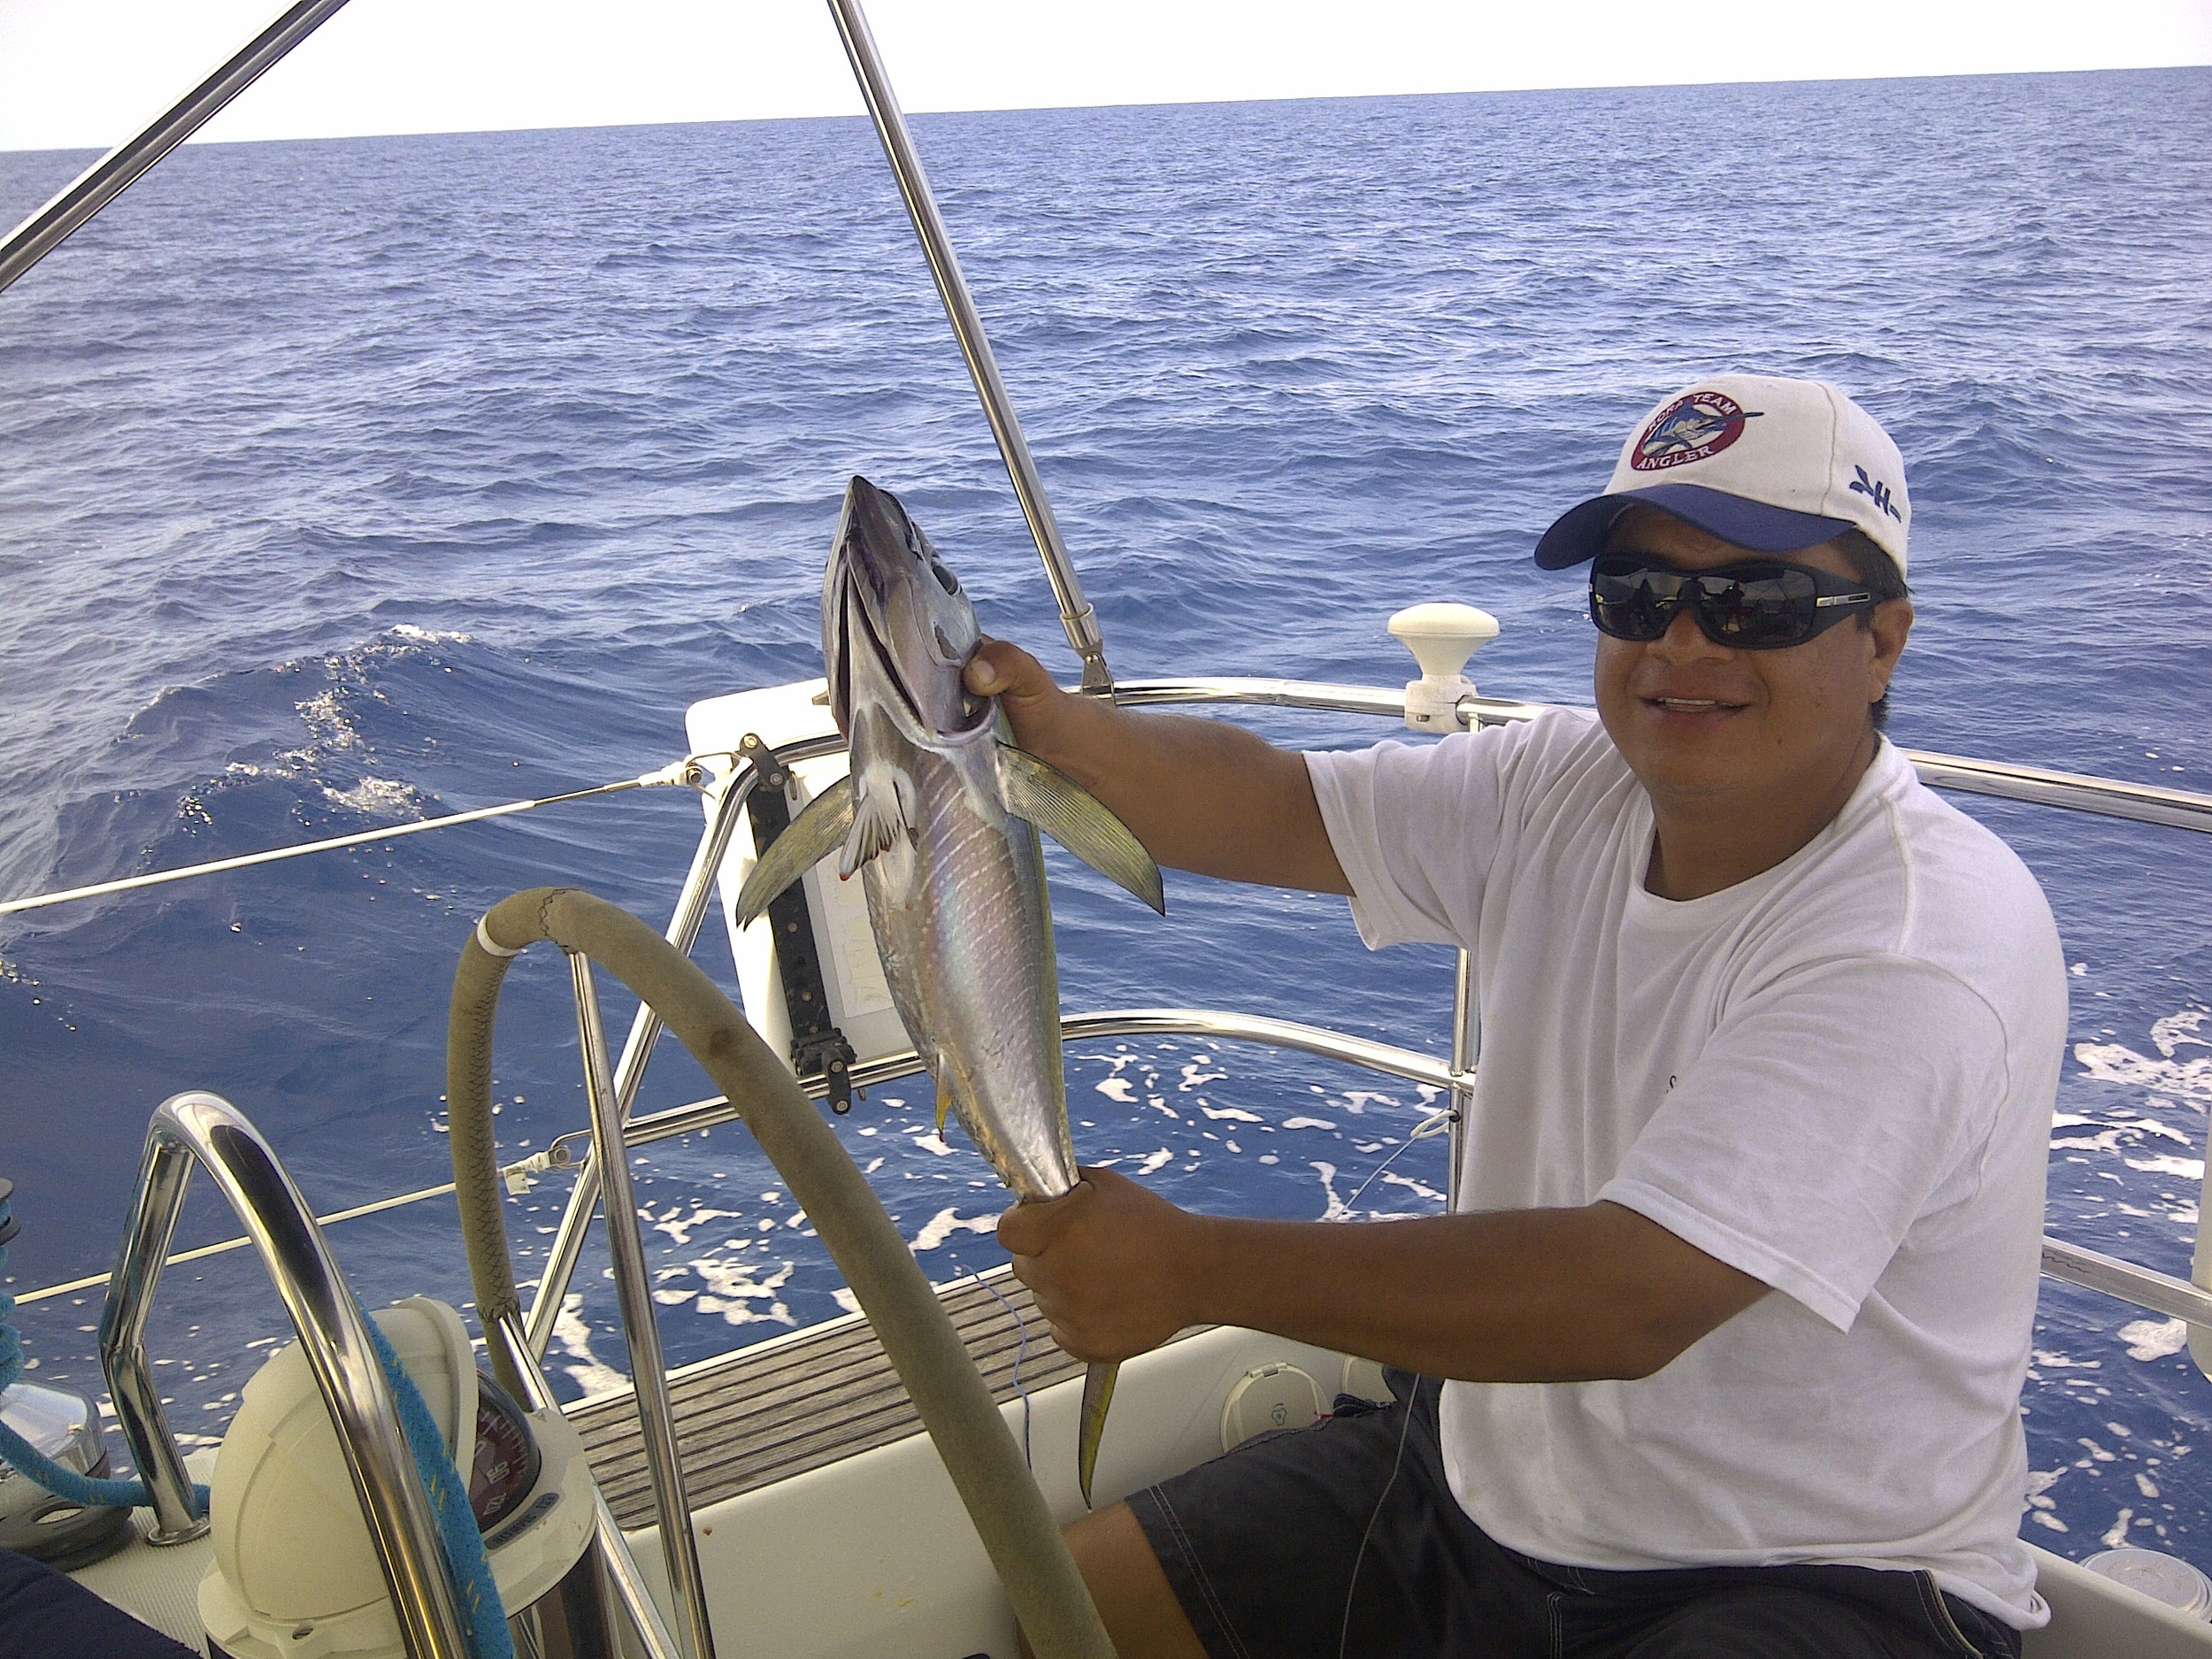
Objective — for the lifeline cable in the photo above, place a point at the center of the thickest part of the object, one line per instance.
(684, 770)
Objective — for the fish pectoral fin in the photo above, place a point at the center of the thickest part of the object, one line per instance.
(810, 838)
(884, 809)
(944, 1105)
(1064, 809)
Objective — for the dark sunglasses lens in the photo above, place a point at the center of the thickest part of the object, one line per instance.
(1633, 602)
(1775, 608)
(1753, 611)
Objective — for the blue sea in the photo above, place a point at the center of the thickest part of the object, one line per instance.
(347, 483)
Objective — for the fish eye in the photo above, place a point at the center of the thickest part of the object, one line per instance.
(945, 578)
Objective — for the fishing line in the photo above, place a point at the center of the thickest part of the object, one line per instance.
(1435, 1124)
(1021, 1353)
(1344, 1635)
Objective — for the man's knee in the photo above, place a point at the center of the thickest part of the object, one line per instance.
(1131, 1588)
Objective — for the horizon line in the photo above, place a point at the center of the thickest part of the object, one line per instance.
(1145, 104)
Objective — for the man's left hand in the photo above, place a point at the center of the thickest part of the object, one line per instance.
(1111, 1265)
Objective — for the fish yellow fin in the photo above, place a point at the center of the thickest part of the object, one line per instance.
(811, 837)
(1098, 1398)
(1064, 809)
(944, 1105)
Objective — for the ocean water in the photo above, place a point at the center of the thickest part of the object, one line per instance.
(347, 483)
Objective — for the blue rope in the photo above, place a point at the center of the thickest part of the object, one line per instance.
(456, 1522)
(34, 1465)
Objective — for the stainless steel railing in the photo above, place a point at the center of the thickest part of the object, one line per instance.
(1383, 1057)
(207, 1131)
(202, 1129)
(2106, 797)
(727, 814)
(1076, 615)
(641, 1331)
(2159, 1293)
(121, 167)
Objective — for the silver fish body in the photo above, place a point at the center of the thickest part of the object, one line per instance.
(963, 923)
(954, 883)
(939, 815)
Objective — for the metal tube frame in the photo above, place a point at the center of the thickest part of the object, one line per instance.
(204, 1129)
(121, 167)
(2106, 797)
(1466, 1043)
(641, 1332)
(615, 1560)
(1076, 615)
(1409, 1064)
(629, 1072)
(2161, 1292)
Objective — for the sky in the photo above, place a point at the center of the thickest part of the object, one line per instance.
(86, 74)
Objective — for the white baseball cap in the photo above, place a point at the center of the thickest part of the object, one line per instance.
(1769, 464)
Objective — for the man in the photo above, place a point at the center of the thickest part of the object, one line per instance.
(1733, 1319)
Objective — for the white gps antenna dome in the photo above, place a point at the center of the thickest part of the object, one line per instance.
(295, 1575)
(1441, 638)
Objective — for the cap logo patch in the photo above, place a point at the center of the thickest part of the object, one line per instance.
(1864, 486)
(1694, 426)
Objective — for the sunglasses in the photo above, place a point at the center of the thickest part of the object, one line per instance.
(1760, 605)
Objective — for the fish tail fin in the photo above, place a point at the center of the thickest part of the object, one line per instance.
(1098, 1398)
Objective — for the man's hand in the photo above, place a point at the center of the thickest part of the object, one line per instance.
(1526, 1296)
(1201, 795)
(1109, 1265)
(1033, 703)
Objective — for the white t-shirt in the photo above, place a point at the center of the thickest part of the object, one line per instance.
(1837, 1076)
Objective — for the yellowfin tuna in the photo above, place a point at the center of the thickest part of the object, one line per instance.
(940, 818)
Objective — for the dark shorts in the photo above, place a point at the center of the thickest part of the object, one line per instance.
(1342, 1540)
(46, 1616)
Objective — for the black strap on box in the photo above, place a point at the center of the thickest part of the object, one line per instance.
(818, 1049)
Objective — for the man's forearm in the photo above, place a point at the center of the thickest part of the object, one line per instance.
(1202, 795)
(1542, 1295)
